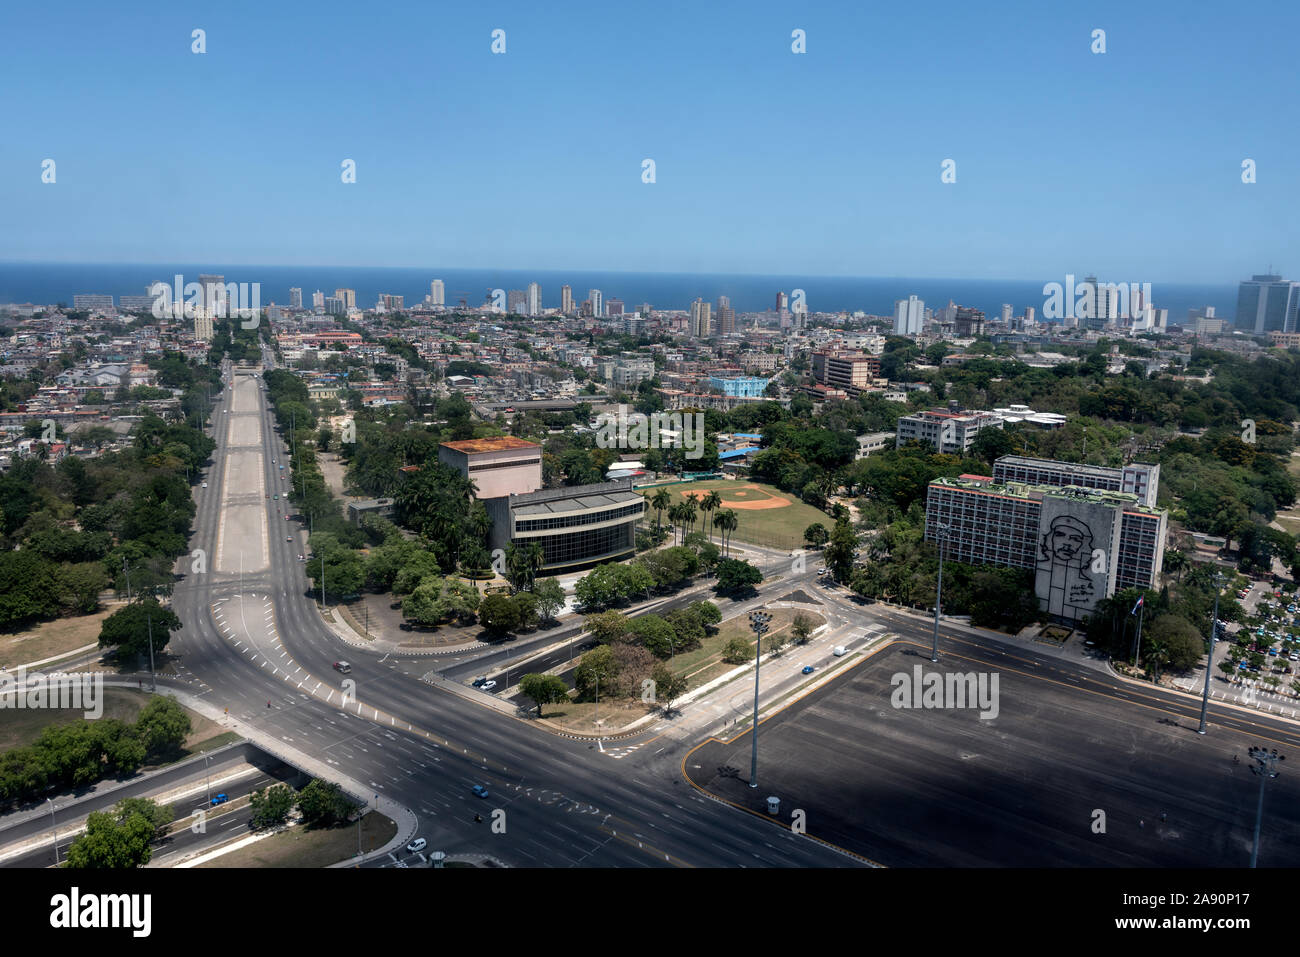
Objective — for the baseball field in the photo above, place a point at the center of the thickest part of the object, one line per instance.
(765, 515)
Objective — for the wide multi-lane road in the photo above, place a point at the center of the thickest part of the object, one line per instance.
(254, 640)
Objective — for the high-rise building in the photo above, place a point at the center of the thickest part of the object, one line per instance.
(701, 326)
(91, 302)
(644, 310)
(534, 299)
(614, 308)
(348, 297)
(214, 294)
(782, 302)
(1084, 539)
(437, 293)
(1267, 303)
(726, 316)
(1029, 315)
(392, 303)
(968, 322)
(203, 327)
(566, 300)
(335, 306)
(1136, 479)
(318, 300)
(1006, 313)
(850, 371)
(597, 302)
(295, 297)
(909, 316)
(517, 302)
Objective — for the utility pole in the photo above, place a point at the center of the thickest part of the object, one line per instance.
(55, 828)
(759, 621)
(1137, 637)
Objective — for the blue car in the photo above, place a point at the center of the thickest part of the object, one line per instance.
(219, 799)
(808, 669)
(480, 791)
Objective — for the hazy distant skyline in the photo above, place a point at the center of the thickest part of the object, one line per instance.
(827, 163)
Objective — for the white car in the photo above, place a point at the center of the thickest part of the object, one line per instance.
(417, 845)
(205, 484)
(487, 686)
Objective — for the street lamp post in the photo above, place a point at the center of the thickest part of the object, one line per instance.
(55, 828)
(1265, 765)
(942, 532)
(207, 772)
(1209, 662)
(759, 621)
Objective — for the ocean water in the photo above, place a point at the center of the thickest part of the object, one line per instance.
(48, 283)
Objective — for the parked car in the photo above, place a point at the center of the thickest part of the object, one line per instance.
(487, 686)
(417, 845)
(480, 681)
(205, 484)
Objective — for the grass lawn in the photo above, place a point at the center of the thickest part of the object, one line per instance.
(20, 726)
(52, 638)
(776, 527)
(701, 665)
(579, 717)
(299, 847)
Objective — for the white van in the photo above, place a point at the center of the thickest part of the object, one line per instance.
(840, 650)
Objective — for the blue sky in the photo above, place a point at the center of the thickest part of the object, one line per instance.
(1126, 163)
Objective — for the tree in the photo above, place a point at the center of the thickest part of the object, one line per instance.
(422, 606)
(160, 815)
(815, 535)
(112, 841)
(607, 626)
(499, 614)
(736, 576)
(271, 806)
(668, 686)
(550, 597)
(523, 562)
(660, 501)
(162, 727)
(596, 668)
(129, 629)
(776, 640)
(544, 689)
(801, 628)
(841, 551)
(323, 804)
(736, 652)
(727, 521)
(708, 503)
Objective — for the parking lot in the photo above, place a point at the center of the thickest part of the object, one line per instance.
(1064, 776)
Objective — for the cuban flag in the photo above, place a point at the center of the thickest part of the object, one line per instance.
(1141, 599)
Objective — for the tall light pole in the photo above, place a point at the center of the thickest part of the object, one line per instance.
(759, 621)
(207, 771)
(942, 532)
(1209, 661)
(1137, 636)
(55, 828)
(1265, 764)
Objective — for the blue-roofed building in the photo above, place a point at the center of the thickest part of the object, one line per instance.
(747, 387)
(737, 453)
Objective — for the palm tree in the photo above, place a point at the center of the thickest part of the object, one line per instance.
(677, 515)
(660, 501)
(692, 506)
(726, 523)
(707, 505)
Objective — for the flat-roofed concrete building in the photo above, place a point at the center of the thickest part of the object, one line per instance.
(850, 371)
(1083, 543)
(578, 525)
(1136, 479)
(948, 430)
(497, 466)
